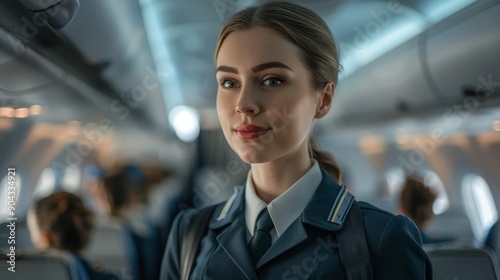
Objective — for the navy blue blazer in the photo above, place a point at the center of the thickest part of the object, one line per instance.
(306, 250)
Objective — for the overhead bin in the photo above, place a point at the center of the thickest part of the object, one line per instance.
(116, 41)
(390, 85)
(431, 72)
(464, 54)
(22, 69)
(58, 13)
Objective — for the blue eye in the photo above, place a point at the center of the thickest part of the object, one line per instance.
(272, 82)
(228, 83)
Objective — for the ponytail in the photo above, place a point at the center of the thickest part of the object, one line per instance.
(325, 160)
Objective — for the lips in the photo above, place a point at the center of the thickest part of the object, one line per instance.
(250, 132)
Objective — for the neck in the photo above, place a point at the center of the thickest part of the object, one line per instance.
(271, 179)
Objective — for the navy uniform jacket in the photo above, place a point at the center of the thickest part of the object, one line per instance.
(306, 250)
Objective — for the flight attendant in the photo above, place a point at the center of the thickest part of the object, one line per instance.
(277, 68)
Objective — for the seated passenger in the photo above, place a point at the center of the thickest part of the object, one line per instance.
(61, 221)
(416, 203)
(121, 199)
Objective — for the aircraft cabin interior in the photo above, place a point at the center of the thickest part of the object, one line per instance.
(122, 93)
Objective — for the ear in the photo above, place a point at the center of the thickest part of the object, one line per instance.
(326, 100)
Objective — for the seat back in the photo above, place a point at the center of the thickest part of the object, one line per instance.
(463, 263)
(52, 264)
(110, 246)
(493, 239)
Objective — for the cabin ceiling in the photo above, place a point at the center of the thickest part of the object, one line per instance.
(154, 55)
(182, 38)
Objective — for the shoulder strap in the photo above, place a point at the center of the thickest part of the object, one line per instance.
(353, 247)
(192, 236)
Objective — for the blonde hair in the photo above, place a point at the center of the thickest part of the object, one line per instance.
(311, 35)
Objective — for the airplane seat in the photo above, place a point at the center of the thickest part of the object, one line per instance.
(51, 264)
(462, 262)
(492, 240)
(111, 245)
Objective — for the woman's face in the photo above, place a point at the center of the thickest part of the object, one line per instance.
(265, 101)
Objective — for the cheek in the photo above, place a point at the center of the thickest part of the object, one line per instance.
(222, 110)
(294, 124)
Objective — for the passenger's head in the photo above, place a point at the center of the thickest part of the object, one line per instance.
(60, 221)
(117, 190)
(277, 67)
(417, 201)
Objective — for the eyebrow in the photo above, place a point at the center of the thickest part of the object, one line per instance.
(260, 67)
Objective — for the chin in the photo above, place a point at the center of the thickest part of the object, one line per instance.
(253, 156)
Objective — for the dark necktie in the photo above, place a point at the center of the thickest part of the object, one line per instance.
(261, 240)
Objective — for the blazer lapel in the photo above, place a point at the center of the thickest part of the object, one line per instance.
(233, 241)
(294, 235)
(232, 238)
(316, 213)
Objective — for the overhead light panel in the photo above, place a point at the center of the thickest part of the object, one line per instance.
(22, 113)
(185, 121)
(7, 112)
(35, 110)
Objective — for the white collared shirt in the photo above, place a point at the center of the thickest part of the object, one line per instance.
(285, 208)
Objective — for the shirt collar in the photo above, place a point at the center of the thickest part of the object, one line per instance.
(288, 206)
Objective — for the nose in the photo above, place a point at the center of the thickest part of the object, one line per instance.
(247, 103)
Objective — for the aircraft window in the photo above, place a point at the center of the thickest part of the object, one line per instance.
(71, 179)
(479, 204)
(4, 194)
(442, 202)
(46, 183)
(395, 178)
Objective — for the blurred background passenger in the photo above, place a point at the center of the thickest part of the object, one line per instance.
(165, 194)
(122, 199)
(92, 182)
(416, 202)
(61, 221)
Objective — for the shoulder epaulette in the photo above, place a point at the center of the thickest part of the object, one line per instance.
(341, 206)
(227, 206)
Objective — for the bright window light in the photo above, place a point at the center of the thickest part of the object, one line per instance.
(186, 122)
(71, 179)
(442, 202)
(46, 183)
(479, 204)
(395, 178)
